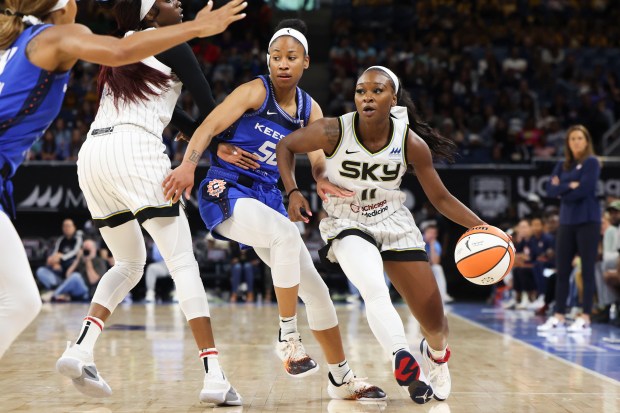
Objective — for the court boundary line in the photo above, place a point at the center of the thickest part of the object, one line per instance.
(539, 350)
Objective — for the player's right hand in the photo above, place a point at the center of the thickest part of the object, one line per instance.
(237, 156)
(214, 22)
(180, 180)
(324, 188)
(296, 202)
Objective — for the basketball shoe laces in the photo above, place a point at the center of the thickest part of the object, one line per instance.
(295, 351)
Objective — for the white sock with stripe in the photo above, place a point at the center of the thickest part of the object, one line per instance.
(91, 328)
(288, 325)
(210, 360)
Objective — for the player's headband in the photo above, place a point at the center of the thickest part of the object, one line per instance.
(59, 5)
(145, 6)
(388, 72)
(290, 32)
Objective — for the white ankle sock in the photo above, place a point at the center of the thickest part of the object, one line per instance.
(339, 371)
(437, 354)
(91, 328)
(288, 325)
(209, 359)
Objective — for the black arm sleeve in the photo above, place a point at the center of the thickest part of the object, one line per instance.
(184, 64)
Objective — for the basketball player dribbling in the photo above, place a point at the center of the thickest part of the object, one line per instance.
(245, 205)
(368, 228)
(39, 44)
(120, 169)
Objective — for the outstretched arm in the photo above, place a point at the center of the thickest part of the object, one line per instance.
(419, 155)
(61, 46)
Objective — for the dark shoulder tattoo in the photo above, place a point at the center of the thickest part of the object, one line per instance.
(331, 130)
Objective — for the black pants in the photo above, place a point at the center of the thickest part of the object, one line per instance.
(574, 240)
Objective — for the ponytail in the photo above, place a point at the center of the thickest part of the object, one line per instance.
(440, 146)
(12, 22)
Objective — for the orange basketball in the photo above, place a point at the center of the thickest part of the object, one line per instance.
(484, 254)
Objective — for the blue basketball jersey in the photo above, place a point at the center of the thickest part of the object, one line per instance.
(30, 100)
(259, 131)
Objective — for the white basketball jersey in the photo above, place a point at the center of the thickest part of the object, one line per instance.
(374, 176)
(152, 114)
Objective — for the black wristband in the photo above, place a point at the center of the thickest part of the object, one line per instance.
(291, 191)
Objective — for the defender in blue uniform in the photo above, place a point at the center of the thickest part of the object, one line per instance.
(35, 59)
(244, 203)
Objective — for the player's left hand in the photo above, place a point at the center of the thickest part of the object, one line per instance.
(324, 188)
(237, 156)
(180, 180)
(297, 202)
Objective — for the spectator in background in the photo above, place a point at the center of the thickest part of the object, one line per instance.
(574, 181)
(434, 252)
(607, 292)
(48, 146)
(63, 138)
(244, 267)
(522, 272)
(64, 253)
(542, 253)
(156, 269)
(82, 276)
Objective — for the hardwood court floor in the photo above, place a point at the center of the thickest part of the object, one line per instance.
(148, 357)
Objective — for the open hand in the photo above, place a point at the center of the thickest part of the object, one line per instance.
(214, 22)
(179, 180)
(324, 188)
(237, 156)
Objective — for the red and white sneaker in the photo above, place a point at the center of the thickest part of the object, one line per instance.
(408, 374)
(438, 372)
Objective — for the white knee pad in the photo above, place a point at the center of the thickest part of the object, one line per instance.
(190, 291)
(285, 261)
(117, 282)
(314, 293)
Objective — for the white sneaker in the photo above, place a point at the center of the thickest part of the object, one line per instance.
(79, 366)
(150, 297)
(217, 389)
(579, 326)
(509, 304)
(524, 304)
(438, 373)
(353, 388)
(539, 302)
(297, 362)
(408, 374)
(553, 324)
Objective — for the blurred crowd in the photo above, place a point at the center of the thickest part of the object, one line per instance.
(504, 79)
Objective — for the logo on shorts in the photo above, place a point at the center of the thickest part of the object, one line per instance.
(215, 187)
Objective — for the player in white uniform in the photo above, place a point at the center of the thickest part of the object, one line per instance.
(39, 46)
(121, 167)
(368, 227)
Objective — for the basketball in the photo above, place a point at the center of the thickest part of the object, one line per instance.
(484, 254)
